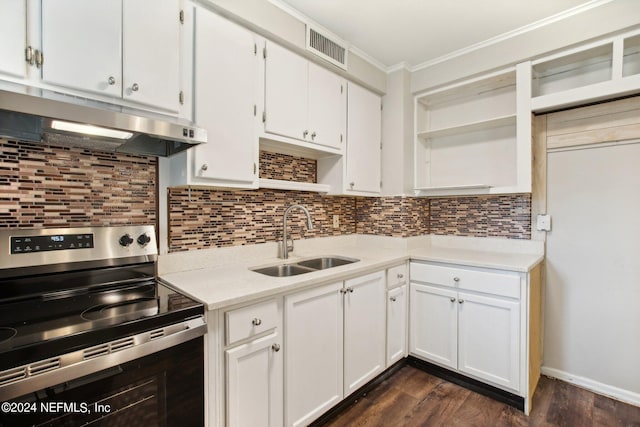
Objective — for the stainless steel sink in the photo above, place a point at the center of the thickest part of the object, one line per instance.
(283, 270)
(326, 262)
(306, 266)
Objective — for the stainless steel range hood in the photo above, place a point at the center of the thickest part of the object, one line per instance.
(60, 119)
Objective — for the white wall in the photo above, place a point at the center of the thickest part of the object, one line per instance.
(264, 18)
(397, 135)
(605, 19)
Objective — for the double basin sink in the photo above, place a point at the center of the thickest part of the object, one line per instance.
(306, 266)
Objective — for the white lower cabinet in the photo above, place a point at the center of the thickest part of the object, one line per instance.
(335, 341)
(254, 366)
(396, 324)
(469, 321)
(364, 327)
(254, 383)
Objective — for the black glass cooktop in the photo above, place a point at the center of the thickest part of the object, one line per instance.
(37, 326)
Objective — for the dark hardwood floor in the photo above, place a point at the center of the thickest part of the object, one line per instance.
(412, 397)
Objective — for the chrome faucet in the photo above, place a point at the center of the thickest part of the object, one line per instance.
(284, 252)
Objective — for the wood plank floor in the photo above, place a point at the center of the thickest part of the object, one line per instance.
(412, 397)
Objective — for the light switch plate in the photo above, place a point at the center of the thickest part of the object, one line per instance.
(543, 222)
(336, 221)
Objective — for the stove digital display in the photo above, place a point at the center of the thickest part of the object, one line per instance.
(57, 242)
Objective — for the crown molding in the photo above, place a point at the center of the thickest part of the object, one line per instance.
(513, 33)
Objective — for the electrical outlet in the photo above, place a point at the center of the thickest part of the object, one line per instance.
(543, 222)
(336, 221)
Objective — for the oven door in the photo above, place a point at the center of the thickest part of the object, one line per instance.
(165, 388)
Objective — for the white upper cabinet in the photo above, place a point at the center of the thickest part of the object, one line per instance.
(364, 139)
(82, 41)
(327, 107)
(228, 91)
(303, 101)
(124, 49)
(13, 37)
(286, 96)
(151, 52)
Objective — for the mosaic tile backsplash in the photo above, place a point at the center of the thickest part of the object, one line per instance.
(44, 186)
(482, 216)
(287, 168)
(202, 218)
(392, 216)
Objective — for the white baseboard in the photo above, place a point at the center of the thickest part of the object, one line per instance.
(594, 386)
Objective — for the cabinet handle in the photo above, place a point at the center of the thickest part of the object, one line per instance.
(275, 347)
(313, 135)
(460, 300)
(393, 299)
(135, 87)
(343, 291)
(350, 289)
(452, 299)
(204, 167)
(351, 184)
(456, 279)
(256, 322)
(305, 133)
(111, 80)
(400, 275)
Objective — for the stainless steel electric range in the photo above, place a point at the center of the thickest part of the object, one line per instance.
(89, 336)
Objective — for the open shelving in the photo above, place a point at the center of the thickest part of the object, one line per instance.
(475, 137)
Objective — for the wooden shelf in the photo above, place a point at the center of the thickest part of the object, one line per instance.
(277, 184)
(470, 127)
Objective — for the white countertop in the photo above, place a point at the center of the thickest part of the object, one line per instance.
(222, 277)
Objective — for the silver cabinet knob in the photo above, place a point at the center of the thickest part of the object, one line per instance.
(351, 184)
(350, 289)
(393, 299)
(275, 347)
(305, 133)
(452, 299)
(111, 80)
(256, 322)
(343, 291)
(400, 275)
(204, 167)
(460, 300)
(313, 135)
(135, 87)
(456, 279)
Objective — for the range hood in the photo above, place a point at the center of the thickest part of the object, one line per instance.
(64, 120)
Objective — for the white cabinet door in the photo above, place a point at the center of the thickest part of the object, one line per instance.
(82, 45)
(434, 324)
(151, 52)
(397, 323)
(254, 383)
(13, 37)
(489, 338)
(314, 365)
(364, 121)
(364, 330)
(327, 107)
(286, 96)
(227, 93)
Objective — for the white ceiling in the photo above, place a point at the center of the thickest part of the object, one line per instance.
(413, 32)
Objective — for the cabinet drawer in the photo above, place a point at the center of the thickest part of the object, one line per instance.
(396, 276)
(497, 283)
(248, 321)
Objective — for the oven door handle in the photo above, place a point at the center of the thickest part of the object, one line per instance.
(68, 367)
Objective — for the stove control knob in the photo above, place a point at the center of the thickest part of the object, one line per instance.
(143, 239)
(125, 240)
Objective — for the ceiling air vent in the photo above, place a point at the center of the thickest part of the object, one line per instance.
(326, 48)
